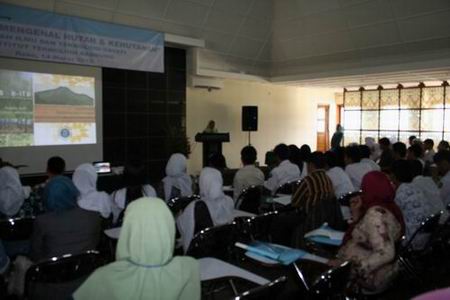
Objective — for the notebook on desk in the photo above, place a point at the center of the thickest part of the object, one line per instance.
(326, 235)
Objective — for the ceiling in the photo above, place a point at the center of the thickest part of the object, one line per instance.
(285, 40)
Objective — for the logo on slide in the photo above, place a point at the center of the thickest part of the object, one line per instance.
(64, 133)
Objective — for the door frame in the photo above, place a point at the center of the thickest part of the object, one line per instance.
(327, 125)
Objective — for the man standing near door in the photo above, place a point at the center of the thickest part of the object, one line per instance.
(337, 137)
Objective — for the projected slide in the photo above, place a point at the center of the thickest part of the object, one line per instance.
(46, 109)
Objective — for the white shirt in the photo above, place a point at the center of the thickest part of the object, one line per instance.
(356, 172)
(431, 192)
(428, 157)
(341, 181)
(415, 208)
(371, 163)
(445, 189)
(12, 194)
(285, 172)
(304, 170)
(247, 176)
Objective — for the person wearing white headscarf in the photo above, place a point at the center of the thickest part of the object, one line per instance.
(220, 206)
(145, 267)
(177, 177)
(12, 193)
(85, 180)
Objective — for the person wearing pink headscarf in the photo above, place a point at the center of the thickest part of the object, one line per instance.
(377, 225)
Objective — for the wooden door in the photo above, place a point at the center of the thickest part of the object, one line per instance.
(323, 115)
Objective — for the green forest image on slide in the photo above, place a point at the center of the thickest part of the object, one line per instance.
(62, 96)
(16, 108)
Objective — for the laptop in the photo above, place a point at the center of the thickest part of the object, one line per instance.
(102, 167)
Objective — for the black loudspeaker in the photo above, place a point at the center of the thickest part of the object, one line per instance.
(249, 118)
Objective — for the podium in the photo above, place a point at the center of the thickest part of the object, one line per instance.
(212, 144)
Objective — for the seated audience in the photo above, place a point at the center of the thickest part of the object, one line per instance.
(219, 207)
(387, 156)
(340, 157)
(443, 145)
(305, 152)
(370, 241)
(442, 160)
(365, 157)
(284, 172)
(58, 188)
(355, 169)
(135, 188)
(12, 193)
(316, 198)
(412, 202)
(177, 182)
(4, 260)
(428, 187)
(249, 174)
(218, 162)
(145, 267)
(412, 139)
(399, 150)
(415, 152)
(65, 228)
(315, 187)
(85, 179)
(374, 148)
(295, 156)
(270, 160)
(429, 151)
(341, 182)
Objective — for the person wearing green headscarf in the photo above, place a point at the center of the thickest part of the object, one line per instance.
(144, 266)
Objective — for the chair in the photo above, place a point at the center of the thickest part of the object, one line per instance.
(16, 229)
(330, 284)
(288, 188)
(179, 203)
(67, 270)
(249, 199)
(407, 254)
(430, 225)
(268, 291)
(215, 242)
(344, 200)
(257, 227)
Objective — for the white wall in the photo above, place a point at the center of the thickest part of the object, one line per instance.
(285, 114)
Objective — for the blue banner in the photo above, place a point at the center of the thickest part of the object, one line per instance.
(35, 34)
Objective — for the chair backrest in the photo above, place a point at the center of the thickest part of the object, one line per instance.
(249, 199)
(215, 242)
(16, 229)
(332, 282)
(179, 203)
(257, 227)
(288, 188)
(62, 269)
(430, 225)
(344, 200)
(268, 291)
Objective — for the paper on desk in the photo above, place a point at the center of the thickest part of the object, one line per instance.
(327, 232)
(279, 253)
(284, 200)
(227, 188)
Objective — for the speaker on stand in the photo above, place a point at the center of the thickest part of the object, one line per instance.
(249, 120)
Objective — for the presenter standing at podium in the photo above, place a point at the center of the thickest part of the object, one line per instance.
(211, 128)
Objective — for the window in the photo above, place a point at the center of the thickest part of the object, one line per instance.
(397, 113)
